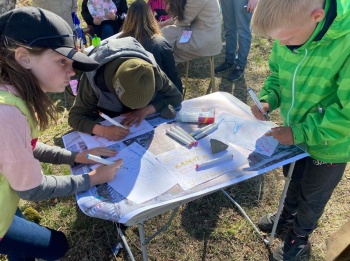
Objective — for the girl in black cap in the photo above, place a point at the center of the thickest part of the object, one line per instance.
(37, 55)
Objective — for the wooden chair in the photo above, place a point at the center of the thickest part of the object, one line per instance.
(212, 76)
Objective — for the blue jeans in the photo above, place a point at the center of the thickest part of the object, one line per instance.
(25, 241)
(106, 31)
(310, 189)
(237, 31)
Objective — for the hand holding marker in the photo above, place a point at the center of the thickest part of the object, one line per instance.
(111, 120)
(101, 160)
(258, 103)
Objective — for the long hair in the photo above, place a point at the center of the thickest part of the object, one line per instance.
(27, 86)
(176, 8)
(140, 22)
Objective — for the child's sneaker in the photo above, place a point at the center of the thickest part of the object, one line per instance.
(293, 247)
(266, 222)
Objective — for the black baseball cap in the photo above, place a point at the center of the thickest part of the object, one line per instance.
(38, 27)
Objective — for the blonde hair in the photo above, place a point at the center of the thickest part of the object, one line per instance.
(275, 14)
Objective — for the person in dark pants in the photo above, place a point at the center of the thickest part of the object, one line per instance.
(312, 94)
(116, 24)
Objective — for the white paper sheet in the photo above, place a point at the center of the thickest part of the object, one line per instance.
(97, 141)
(245, 133)
(144, 177)
(181, 163)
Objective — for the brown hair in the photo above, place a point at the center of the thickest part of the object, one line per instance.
(140, 22)
(27, 86)
(270, 15)
(176, 8)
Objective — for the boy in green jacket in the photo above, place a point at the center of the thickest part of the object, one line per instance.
(310, 83)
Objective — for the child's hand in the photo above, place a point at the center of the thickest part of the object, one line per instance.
(97, 20)
(111, 15)
(115, 132)
(104, 173)
(284, 135)
(257, 113)
(99, 151)
(137, 116)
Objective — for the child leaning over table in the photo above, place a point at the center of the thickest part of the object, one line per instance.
(309, 82)
(37, 55)
(128, 82)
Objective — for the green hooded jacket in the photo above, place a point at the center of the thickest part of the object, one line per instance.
(311, 86)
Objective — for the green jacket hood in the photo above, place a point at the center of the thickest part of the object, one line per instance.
(341, 23)
(338, 28)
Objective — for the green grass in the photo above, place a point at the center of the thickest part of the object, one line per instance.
(210, 228)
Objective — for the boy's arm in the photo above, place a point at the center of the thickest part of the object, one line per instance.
(270, 92)
(85, 13)
(166, 91)
(83, 116)
(53, 154)
(334, 123)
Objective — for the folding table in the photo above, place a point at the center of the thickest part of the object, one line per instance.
(105, 203)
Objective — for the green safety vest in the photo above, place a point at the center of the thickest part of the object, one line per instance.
(8, 197)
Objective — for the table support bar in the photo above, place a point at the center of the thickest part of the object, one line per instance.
(125, 243)
(243, 212)
(279, 210)
(144, 241)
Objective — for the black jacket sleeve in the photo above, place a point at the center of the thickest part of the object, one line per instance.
(86, 14)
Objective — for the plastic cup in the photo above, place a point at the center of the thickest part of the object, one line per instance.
(74, 86)
(96, 41)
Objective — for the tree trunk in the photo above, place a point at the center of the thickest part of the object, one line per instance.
(6, 5)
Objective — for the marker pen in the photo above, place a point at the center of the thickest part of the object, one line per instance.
(207, 131)
(173, 129)
(186, 134)
(258, 103)
(102, 160)
(212, 162)
(178, 137)
(111, 120)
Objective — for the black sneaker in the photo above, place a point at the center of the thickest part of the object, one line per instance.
(266, 222)
(293, 247)
(236, 73)
(223, 67)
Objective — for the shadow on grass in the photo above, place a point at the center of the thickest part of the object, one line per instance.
(200, 217)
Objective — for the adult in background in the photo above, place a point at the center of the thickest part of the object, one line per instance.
(104, 28)
(128, 82)
(237, 15)
(194, 29)
(141, 24)
(63, 8)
